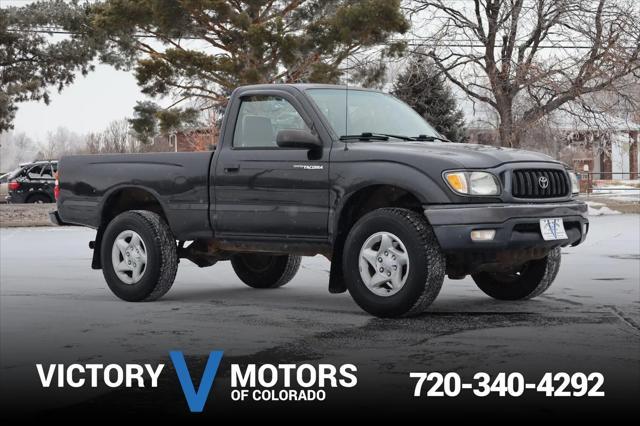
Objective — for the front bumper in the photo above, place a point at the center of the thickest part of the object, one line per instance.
(516, 225)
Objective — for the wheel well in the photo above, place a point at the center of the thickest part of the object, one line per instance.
(130, 199)
(362, 202)
(38, 195)
(372, 198)
(121, 201)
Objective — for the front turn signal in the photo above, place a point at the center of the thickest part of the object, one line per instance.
(458, 182)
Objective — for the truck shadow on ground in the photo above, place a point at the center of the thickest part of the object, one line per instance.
(294, 298)
(300, 306)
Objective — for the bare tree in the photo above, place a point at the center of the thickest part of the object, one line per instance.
(115, 138)
(60, 142)
(529, 58)
(93, 143)
(16, 148)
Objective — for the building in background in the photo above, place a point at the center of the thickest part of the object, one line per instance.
(608, 148)
(608, 152)
(192, 140)
(202, 139)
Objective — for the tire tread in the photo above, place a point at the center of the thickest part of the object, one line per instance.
(290, 271)
(434, 261)
(530, 285)
(164, 242)
(278, 276)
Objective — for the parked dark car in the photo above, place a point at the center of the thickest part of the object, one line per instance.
(356, 175)
(32, 183)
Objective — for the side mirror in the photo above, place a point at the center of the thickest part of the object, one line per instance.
(296, 138)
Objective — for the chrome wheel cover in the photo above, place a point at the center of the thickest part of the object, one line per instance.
(129, 257)
(384, 264)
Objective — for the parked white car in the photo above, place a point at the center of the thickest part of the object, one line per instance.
(4, 187)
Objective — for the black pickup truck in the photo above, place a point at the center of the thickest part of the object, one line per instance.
(352, 174)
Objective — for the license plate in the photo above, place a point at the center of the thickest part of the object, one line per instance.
(553, 229)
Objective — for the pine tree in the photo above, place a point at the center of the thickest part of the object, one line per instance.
(31, 63)
(194, 51)
(198, 51)
(424, 88)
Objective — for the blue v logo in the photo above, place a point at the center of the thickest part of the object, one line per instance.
(196, 399)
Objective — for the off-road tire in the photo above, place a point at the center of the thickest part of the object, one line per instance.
(536, 277)
(427, 263)
(259, 270)
(162, 258)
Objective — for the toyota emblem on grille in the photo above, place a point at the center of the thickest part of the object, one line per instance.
(543, 182)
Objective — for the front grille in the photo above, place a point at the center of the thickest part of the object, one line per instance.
(539, 183)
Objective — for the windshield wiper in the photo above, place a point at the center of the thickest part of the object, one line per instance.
(369, 136)
(430, 138)
(374, 136)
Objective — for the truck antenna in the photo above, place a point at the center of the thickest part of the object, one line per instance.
(346, 107)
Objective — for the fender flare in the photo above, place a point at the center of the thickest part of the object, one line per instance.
(96, 244)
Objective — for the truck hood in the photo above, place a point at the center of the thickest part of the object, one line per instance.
(461, 155)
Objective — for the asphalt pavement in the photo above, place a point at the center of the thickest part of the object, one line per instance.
(54, 308)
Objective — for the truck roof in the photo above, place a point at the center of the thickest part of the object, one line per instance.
(33, 163)
(300, 87)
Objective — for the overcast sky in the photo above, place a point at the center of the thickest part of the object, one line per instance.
(88, 104)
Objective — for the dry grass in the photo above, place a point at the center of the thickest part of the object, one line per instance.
(12, 215)
(623, 206)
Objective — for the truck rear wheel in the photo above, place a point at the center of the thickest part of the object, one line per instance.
(531, 280)
(263, 270)
(392, 263)
(138, 254)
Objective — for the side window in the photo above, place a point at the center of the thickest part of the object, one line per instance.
(35, 171)
(261, 118)
(46, 172)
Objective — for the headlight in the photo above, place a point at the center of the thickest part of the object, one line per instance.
(575, 185)
(473, 183)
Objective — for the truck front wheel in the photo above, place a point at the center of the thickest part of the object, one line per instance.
(138, 254)
(392, 263)
(530, 280)
(263, 270)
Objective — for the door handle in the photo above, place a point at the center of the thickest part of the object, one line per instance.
(231, 168)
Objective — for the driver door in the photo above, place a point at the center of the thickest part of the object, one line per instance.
(262, 190)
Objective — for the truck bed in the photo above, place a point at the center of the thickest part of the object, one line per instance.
(178, 181)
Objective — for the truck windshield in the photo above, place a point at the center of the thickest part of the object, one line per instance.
(369, 112)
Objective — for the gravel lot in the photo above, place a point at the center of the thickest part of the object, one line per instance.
(54, 308)
(18, 215)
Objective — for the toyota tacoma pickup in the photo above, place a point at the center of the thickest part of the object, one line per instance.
(352, 174)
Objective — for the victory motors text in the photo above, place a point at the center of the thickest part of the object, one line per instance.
(251, 382)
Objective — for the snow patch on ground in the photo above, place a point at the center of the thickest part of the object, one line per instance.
(616, 189)
(599, 209)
